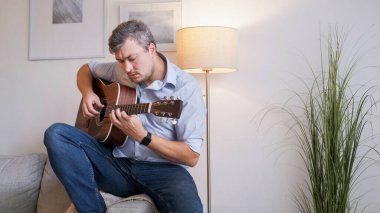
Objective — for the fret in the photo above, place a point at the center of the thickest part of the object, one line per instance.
(134, 109)
(145, 108)
(130, 109)
(139, 108)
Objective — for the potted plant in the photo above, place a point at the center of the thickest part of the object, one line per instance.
(330, 132)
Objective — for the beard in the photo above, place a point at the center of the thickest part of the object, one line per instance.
(138, 77)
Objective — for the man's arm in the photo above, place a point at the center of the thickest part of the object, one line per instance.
(90, 100)
(174, 151)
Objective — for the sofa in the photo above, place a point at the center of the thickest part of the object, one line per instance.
(28, 184)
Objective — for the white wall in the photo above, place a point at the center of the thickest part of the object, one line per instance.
(251, 169)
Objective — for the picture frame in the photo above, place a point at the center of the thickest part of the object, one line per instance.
(66, 29)
(163, 19)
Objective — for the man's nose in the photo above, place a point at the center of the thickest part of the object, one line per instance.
(128, 66)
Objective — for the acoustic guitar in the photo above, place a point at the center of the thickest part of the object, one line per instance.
(113, 96)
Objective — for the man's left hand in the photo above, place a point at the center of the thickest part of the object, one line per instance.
(129, 124)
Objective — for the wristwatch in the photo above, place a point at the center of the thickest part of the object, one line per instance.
(147, 139)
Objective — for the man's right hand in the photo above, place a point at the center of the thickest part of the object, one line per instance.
(91, 105)
(90, 101)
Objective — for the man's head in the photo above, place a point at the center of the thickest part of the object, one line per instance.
(134, 48)
(133, 29)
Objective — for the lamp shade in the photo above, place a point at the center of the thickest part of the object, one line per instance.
(207, 48)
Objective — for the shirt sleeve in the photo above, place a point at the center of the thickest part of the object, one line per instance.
(110, 72)
(192, 124)
(105, 71)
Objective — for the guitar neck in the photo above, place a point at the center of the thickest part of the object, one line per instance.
(134, 109)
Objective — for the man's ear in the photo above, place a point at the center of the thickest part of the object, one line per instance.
(152, 48)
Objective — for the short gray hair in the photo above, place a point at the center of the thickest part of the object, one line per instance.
(133, 29)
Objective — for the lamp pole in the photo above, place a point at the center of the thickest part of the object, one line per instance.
(207, 50)
(207, 71)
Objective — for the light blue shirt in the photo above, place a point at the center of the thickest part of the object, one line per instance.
(190, 127)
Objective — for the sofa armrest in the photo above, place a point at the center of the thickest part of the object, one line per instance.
(20, 178)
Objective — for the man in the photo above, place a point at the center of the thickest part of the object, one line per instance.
(154, 165)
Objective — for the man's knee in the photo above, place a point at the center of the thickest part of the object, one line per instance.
(51, 132)
(54, 133)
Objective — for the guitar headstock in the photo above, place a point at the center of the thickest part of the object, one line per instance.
(167, 108)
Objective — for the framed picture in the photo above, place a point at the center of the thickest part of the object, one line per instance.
(66, 29)
(163, 19)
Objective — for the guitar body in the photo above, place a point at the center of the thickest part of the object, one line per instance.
(116, 96)
(100, 127)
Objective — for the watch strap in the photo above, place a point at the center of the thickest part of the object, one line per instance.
(147, 139)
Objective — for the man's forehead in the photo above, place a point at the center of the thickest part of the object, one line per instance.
(129, 48)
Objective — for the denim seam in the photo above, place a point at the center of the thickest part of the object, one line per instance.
(97, 151)
(96, 190)
(112, 160)
(154, 192)
(131, 175)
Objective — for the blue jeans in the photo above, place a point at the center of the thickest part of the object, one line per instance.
(84, 166)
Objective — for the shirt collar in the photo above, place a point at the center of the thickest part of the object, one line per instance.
(170, 76)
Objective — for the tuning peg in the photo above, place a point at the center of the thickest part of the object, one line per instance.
(166, 98)
(171, 97)
(174, 121)
(179, 97)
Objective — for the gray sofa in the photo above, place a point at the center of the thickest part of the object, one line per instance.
(28, 184)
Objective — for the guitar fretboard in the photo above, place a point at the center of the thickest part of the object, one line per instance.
(130, 109)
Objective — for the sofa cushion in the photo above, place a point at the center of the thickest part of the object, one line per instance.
(53, 196)
(141, 203)
(20, 178)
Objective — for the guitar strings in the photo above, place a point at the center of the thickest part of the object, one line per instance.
(135, 108)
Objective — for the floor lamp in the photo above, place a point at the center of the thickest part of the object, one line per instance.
(207, 50)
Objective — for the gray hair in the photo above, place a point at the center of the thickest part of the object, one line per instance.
(132, 29)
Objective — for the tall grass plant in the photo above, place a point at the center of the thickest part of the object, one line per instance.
(329, 138)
